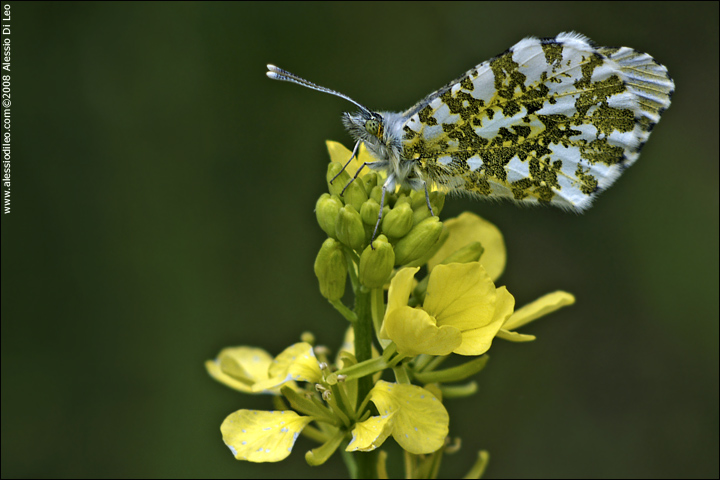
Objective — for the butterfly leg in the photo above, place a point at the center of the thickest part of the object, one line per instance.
(354, 153)
(377, 225)
(356, 175)
(427, 199)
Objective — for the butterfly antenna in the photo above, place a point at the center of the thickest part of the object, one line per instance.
(276, 73)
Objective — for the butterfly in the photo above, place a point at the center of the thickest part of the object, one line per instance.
(549, 121)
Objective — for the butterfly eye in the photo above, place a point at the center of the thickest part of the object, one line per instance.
(374, 127)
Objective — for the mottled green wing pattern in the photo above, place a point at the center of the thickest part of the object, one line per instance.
(548, 121)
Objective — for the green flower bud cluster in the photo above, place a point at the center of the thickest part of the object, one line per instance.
(408, 234)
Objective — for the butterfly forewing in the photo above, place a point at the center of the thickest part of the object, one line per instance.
(550, 121)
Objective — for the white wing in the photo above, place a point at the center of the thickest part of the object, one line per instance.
(550, 121)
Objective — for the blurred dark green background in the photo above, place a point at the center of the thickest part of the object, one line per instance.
(162, 208)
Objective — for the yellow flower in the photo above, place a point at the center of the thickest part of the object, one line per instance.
(253, 370)
(415, 418)
(256, 435)
(241, 367)
(462, 312)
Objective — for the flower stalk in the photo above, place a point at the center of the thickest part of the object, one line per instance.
(424, 292)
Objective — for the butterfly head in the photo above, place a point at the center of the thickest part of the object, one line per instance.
(365, 125)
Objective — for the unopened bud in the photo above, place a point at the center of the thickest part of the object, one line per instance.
(376, 194)
(376, 264)
(369, 212)
(308, 337)
(403, 198)
(420, 213)
(355, 194)
(437, 200)
(339, 182)
(370, 181)
(349, 229)
(416, 244)
(331, 269)
(418, 198)
(398, 222)
(327, 209)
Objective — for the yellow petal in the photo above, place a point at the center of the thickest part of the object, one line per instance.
(259, 436)
(364, 155)
(478, 341)
(420, 424)
(340, 154)
(348, 344)
(461, 295)
(514, 336)
(468, 228)
(371, 433)
(540, 307)
(400, 288)
(240, 367)
(415, 332)
(297, 362)
(337, 151)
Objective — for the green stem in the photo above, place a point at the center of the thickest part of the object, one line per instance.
(401, 375)
(377, 304)
(350, 462)
(363, 337)
(352, 262)
(344, 311)
(366, 368)
(366, 462)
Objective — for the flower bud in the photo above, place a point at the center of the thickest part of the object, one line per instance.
(370, 181)
(403, 198)
(376, 194)
(420, 213)
(398, 221)
(331, 269)
(337, 185)
(437, 200)
(355, 194)
(418, 198)
(349, 229)
(376, 264)
(404, 190)
(327, 209)
(416, 244)
(307, 337)
(444, 235)
(369, 212)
